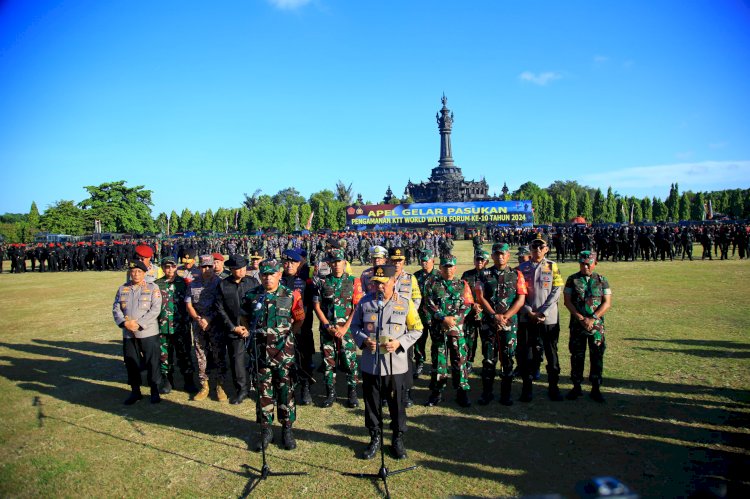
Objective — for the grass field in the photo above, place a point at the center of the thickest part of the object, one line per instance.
(676, 417)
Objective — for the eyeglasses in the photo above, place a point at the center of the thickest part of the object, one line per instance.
(169, 265)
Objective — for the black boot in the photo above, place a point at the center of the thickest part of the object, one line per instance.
(409, 400)
(526, 391)
(135, 395)
(166, 385)
(330, 396)
(266, 437)
(487, 395)
(418, 370)
(434, 399)
(287, 439)
(190, 384)
(575, 392)
(554, 390)
(397, 447)
(352, 401)
(505, 386)
(373, 446)
(596, 394)
(305, 397)
(239, 398)
(462, 398)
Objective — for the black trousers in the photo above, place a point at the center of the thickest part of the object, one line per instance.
(533, 339)
(238, 362)
(146, 352)
(393, 390)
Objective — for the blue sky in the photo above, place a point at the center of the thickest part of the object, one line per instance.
(204, 101)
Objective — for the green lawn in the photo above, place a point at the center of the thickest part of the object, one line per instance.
(676, 382)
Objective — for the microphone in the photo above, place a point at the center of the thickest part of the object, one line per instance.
(381, 298)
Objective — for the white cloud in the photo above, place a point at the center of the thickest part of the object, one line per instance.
(699, 176)
(684, 155)
(600, 59)
(289, 4)
(718, 145)
(540, 79)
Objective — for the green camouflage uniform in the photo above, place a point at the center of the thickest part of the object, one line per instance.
(337, 297)
(174, 332)
(446, 298)
(271, 313)
(587, 294)
(424, 279)
(473, 323)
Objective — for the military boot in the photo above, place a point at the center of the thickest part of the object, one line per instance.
(202, 393)
(397, 446)
(554, 390)
(596, 394)
(487, 395)
(505, 388)
(135, 395)
(373, 446)
(155, 398)
(287, 438)
(190, 384)
(462, 398)
(409, 400)
(221, 395)
(526, 391)
(575, 392)
(330, 396)
(305, 397)
(266, 437)
(435, 398)
(166, 385)
(418, 369)
(352, 401)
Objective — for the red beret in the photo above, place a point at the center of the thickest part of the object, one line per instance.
(218, 256)
(144, 251)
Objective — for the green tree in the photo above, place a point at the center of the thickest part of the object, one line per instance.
(622, 214)
(572, 206)
(196, 222)
(208, 220)
(585, 207)
(33, 218)
(304, 215)
(659, 210)
(343, 193)
(697, 208)
(610, 215)
(559, 208)
(64, 217)
(280, 217)
(174, 223)
(637, 211)
(186, 220)
(288, 197)
(119, 208)
(684, 207)
(600, 207)
(736, 204)
(161, 223)
(647, 210)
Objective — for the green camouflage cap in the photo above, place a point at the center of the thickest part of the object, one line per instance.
(523, 251)
(481, 254)
(269, 267)
(588, 257)
(448, 261)
(426, 255)
(169, 259)
(336, 255)
(500, 247)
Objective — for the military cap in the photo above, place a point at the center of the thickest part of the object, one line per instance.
(168, 259)
(236, 261)
(302, 252)
(588, 257)
(335, 255)
(396, 254)
(378, 252)
(137, 264)
(187, 255)
(538, 243)
(448, 261)
(207, 261)
(500, 247)
(383, 273)
(426, 255)
(255, 255)
(269, 267)
(142, 250)
(481, 254)
(291, 256)
(333, 243)
(523, 251)
(218, 256)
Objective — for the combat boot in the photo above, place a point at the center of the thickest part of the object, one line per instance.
(418, 369)
(373, 446)
(352, 401)
(287, 438)
(190, 384)
(435, 398)
(166, 386)
(221, 395)
(409, 400)
(487, 395)
(526, 390)
(397, 446)
(462, 398)
(202, 393)
(330, 396)
(266, 437)
(305, 397)
(505, 388)
(596, 394)
(155, 398)
(239, 398)
(135, 395)
(575, 392)
(554, 390)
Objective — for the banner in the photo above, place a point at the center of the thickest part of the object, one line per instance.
(518, 213)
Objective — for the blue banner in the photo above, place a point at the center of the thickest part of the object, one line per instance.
(518, 213)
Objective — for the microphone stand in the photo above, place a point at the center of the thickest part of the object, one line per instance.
(265, 471)
(383, 473)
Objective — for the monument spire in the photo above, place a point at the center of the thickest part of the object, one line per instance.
(446, 169)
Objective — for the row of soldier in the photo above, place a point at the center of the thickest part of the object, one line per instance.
(260, 316)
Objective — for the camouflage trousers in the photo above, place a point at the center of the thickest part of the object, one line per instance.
(177, 345)
(210, 345)
(275, 386)
(471, 333)
(579, 339)
(339, 352)
(498, 344)
(443, 347)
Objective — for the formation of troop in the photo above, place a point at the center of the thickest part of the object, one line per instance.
(251, 318)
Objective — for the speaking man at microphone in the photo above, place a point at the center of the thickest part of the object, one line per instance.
(385, 318)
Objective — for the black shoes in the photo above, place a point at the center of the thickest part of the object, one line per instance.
(265, 439)
(330, 397)
(575, 392)
(166, 386)
(373, 446)
(352, 400)
(435, 399)
(397, 447)
(409, 400)
(134, 397)
(462, 398)
(239, 398)
(287, 439)
(305, 397)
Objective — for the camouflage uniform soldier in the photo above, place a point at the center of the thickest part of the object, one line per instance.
(501, 291)
(473, 322)
(334, 299)
(174, 332)
(424, 278)
(378, 256)
(449, 301)
(273, 314)
(588, 297)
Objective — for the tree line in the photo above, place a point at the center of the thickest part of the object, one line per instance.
(120, 208)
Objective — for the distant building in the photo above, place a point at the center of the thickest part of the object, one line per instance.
(447, 183)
